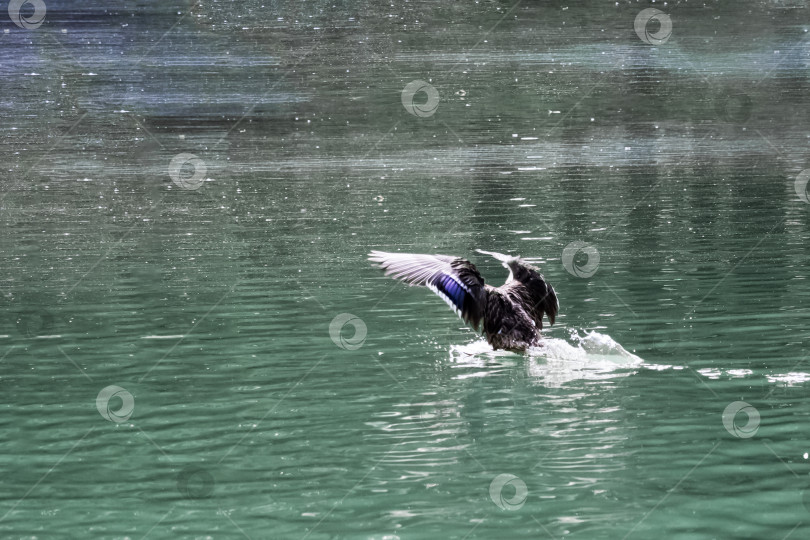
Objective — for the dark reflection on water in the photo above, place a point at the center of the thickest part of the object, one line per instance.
(210, 299)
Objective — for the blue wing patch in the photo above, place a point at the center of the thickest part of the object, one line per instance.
(450, 290)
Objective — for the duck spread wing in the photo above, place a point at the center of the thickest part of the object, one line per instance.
(453, 279)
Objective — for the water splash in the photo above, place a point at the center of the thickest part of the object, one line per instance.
(589, 346)
(590, 355)
(587, 355)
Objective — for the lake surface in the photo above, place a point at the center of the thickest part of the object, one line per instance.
(193, 344)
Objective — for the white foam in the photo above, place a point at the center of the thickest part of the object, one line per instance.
(590, 356)
(789, 379)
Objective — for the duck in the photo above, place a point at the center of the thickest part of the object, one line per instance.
(510, 317)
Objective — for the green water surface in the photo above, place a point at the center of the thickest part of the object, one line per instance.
(166, 363)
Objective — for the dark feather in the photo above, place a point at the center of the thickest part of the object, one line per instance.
(542, 299)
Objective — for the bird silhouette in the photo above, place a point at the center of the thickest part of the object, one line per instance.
(510, 317)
